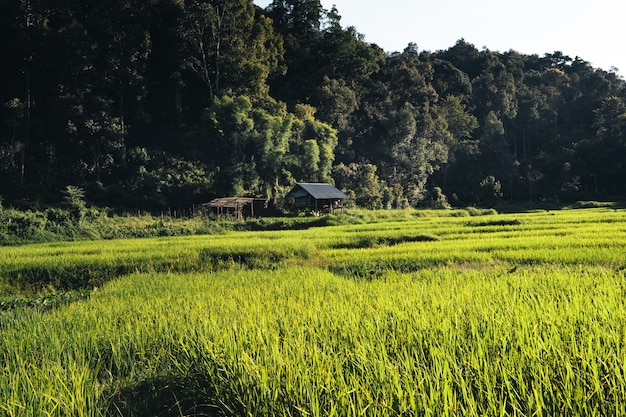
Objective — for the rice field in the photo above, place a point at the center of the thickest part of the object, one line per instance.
(412, 314)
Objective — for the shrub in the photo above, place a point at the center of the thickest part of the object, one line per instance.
(24, 225)
(473, 211)
(75, 199)
(438, 199)
(590, 204)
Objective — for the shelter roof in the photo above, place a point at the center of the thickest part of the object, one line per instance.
(231, 202)
(319, 191)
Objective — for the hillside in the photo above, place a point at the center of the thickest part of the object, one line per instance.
(159, 105)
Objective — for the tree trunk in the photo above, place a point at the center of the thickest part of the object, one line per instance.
(27, 24)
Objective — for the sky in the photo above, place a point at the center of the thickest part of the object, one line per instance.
(594, 30)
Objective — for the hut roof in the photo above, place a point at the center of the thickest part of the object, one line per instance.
(318, 191)
(230, 202)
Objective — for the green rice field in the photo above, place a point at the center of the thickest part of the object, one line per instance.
(407, 313)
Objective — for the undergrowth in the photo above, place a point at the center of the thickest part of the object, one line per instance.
(19, 227)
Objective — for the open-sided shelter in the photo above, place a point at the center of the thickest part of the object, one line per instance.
(232, 205)
(317, 196)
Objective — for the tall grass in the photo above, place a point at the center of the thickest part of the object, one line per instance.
(306, 342)
(512, 315)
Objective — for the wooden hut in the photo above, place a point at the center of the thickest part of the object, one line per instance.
(319, 197)
(227, 206)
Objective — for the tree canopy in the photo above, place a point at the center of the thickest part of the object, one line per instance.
(167, 103)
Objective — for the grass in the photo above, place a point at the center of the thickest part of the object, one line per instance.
(516, 314)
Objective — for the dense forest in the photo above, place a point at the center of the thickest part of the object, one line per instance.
(167, 103)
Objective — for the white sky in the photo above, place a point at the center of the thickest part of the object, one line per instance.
(594, 30)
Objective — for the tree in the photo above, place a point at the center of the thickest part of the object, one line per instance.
(313, 144)
(14, 118)
(451, 81)
(491, 190)
(610, 121)
(361, 181)
(21, 27)
(254, 152)
(75, 199)
(495, 90)
(413, 146)
(302, 17)
(460, 124)
(274, 133)
(606, 153)
(464, 56)
(182, 99)
(311, 160)
(229, 47)
(229, 141)
(496, 158)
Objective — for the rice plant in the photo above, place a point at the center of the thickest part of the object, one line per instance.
(510, 315)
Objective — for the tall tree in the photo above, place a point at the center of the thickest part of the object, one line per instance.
(314, 142)
(460, 125)
(274, 134)
(21, 26)
(229, 47)
(99, 83)
(607, 152)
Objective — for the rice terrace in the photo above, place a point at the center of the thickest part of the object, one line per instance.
(371, 313)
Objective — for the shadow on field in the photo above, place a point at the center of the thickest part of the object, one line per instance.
(513, 222)
(163, 397)
(372, 241)
(374, 269)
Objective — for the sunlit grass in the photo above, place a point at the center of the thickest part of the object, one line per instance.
(517, 314)
(298, 341)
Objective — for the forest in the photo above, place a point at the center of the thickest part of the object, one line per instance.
(158, 104)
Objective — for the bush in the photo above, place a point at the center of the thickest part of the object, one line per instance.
(75, 199)
(437, 199)
(23, 225)
(58, 216)
(473, 211)
(590, 204)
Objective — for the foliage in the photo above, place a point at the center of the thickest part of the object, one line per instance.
(165, 104)
(228, 47)
(59, 224)
(362, 181)
(75, 199)
(257, 153)
(438, 200)
(491, 190)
